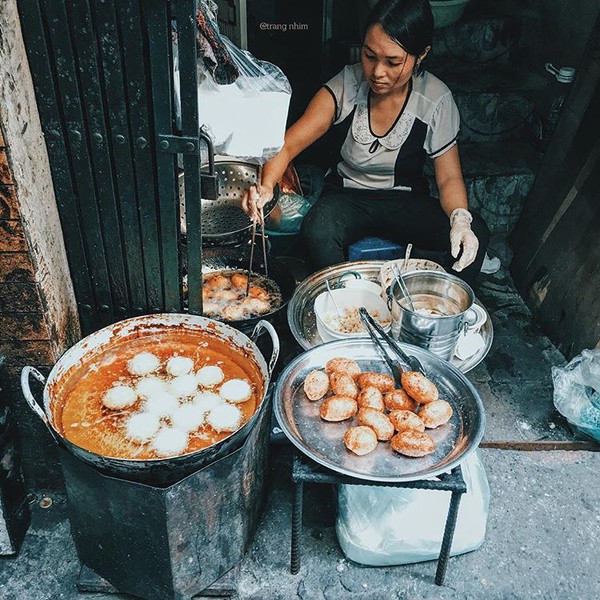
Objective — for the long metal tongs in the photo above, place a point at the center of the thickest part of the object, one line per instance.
(252, 244)
(374, 329)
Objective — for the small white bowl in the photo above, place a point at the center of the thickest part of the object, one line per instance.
(346, 299)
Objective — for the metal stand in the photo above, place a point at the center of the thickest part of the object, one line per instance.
(305, 470)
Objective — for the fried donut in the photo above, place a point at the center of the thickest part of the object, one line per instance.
(342, 365)
(371, 397)
(338, 408)
(316, 385)
(384, 383)
(436, 413)
(418, 387)
(343, 385)
(405, 419)
(378, 422)
(413, 443)
(360, 440)
(399, 400)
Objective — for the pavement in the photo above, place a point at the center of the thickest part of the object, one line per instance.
(543, 517)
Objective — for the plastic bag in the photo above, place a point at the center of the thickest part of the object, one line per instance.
(382, 526)
(577, 392)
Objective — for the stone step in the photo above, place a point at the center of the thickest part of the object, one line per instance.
(498, 176)
(495, 101)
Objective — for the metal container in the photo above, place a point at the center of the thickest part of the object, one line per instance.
(159, 470)
(442, 302)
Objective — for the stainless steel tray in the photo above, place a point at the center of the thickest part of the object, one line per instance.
(303, 323)
(323, 441)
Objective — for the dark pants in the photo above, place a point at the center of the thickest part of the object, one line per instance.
(343, 216)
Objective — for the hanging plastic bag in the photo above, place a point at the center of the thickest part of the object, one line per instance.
(577, 392)
(383, 526)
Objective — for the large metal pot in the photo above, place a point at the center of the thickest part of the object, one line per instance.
(159, 470)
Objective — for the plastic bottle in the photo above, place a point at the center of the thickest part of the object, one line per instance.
(547, 111)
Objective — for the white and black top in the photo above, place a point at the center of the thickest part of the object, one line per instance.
(427, 125)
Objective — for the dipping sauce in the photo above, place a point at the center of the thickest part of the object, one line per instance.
(91, 412)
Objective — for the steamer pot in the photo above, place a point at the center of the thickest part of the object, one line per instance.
(159, 470)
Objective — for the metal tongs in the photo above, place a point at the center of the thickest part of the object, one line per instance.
(374, 329)
(253, 242)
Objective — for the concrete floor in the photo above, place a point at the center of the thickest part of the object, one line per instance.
(543, 513)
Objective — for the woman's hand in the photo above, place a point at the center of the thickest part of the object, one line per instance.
(462, 236)
(254, 200)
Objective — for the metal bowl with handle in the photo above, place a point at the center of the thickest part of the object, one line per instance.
(159, 470)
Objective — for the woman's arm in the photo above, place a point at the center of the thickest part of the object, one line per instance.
(450, 182)
(316, 120)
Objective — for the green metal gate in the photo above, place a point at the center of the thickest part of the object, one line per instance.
(103, 73)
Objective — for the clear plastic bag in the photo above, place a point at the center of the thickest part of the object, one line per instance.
(577, 392)
(382, 526)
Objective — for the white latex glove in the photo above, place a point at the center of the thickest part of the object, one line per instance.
(462, 236)
(254, 199)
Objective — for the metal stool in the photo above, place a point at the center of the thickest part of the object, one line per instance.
(305, 470)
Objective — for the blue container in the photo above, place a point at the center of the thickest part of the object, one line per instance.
(374, 248)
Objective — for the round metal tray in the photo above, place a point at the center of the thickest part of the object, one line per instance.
(303, 323)
(323, 441)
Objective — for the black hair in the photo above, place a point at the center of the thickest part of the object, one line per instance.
(408, 22)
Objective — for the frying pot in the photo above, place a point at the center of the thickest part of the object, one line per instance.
(158, 470)
(227, 258)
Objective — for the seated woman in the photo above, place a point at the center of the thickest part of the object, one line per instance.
(385, 115)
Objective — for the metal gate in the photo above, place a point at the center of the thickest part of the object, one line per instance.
(104, 78)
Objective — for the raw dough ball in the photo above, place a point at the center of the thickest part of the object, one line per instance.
(170, 441)
(143, 363)
(436, 413)
(225, 417)
(183, 386)
(417, 386)
(236, 390)
(150, 386)
(162, 405)
(141, 427)
(179, 365)
(316, 385)
(209, 376)
(413, 443)
(360, 440)
(120, 396)
(188, 417)
(206, 401)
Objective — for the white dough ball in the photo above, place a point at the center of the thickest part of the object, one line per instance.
(170, 441)
(209, 376)
(141, 427)
(120, 396)
(206, 401)
(188, 417)
(182, 386)
(225, 417)
(143, 363)
(150, 386)
(161, 405)
(236, 390)
(179, 365)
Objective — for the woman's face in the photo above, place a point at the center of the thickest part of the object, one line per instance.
(386, 65)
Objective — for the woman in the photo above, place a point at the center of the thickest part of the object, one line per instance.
(384, 116)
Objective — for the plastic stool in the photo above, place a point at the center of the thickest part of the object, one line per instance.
(374, 248)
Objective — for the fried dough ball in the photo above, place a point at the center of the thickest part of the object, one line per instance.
(360, 440)
(405, 419)
(338, 408)
(399, 400)
(217, 282)
(316, 385)
(371, 397)
(233, 312)
(384, 383)
(436, 413)
(256, 305)
(258, 292)
(342, 365)
(413, 443)
(378, 422)
(418, 387)
(239, 281)
(343, 385)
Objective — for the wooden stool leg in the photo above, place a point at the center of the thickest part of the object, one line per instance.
(448, 536)
(296, 527)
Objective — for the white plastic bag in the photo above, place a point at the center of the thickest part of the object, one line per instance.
(382, 526)
(577, 392)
